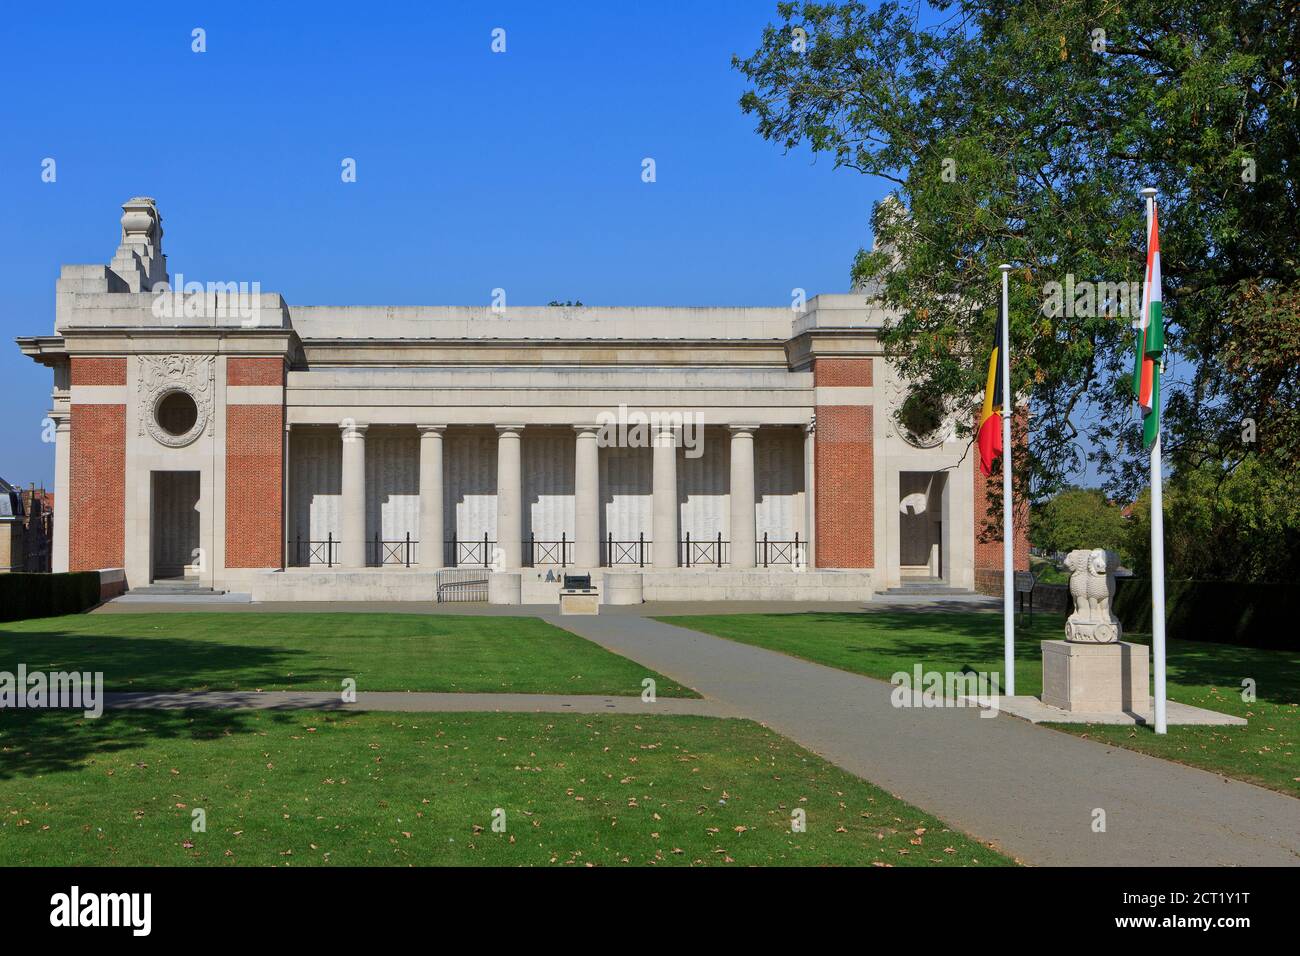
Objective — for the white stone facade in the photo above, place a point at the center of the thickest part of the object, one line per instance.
(432, 430)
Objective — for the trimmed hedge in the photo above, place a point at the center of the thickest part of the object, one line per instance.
(1224, 612)
(46, 595)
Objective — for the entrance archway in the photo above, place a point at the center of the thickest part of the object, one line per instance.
(174, 519)
(920, 524)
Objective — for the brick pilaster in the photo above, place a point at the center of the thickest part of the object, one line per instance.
(97, 471)
(254, 529)
(845, 468)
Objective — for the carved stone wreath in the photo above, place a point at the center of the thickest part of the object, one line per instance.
(163, 375)
(940, 428)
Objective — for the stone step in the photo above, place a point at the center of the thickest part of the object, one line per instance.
(182, 596)
(167, 588)
(925, 587)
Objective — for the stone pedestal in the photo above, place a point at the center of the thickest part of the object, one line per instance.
(1096, 678)
(579, 602)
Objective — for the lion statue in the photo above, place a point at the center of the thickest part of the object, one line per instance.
(1092, 585)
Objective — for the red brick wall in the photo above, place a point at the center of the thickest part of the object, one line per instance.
(839, 372)
(254, 486)
(97, 466)
(255, 371)
(845, 477)
(988, 542)
(845, 487)
(99, 371)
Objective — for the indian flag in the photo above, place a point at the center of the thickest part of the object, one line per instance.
(1150, 339)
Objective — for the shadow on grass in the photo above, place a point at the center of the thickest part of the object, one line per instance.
(40, 742)
(156, 663)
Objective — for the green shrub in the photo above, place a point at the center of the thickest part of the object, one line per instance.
(1248, 614)
(47, 595)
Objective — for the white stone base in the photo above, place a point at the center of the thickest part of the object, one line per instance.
(529, 586)
(370, 584)
(622, 588)
(1096, 678)
(505, 587)
(1181, 715)
(711, 584)
(579, 602)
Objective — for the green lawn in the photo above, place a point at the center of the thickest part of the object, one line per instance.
(215, 651)
(880, 643)
(281, 788)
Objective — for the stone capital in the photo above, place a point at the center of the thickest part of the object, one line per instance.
(506, 430)
(431, 431)
(741, 430)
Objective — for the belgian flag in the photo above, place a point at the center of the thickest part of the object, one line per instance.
(990, 430)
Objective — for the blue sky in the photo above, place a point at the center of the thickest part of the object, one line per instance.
(475, 170)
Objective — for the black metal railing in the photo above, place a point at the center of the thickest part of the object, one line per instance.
(400, 551)
(703, 551)
(474, 554)
(771, 551)
(627, 552)
(317, 552)
(550, 552)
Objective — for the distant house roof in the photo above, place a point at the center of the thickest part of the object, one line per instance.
(11, 501)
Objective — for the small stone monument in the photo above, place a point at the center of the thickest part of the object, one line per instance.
(1092, 670)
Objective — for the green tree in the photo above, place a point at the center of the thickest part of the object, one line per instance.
(1224, 524)
(1078, 518)
(1022, 132)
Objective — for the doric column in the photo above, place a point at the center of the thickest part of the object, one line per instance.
(510, 496)
(742, 495)
(664, 529)
(586, 497)
(431, 531)
(352, 549)
(62, 489)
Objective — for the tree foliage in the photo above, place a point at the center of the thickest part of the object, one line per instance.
(1221, 524)
(1017, 132)
(1079, 518)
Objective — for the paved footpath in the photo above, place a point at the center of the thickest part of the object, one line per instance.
(1030, 790)
(413, 702)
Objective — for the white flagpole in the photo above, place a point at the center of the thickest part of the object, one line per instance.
(1008, 531)
(1157, 533)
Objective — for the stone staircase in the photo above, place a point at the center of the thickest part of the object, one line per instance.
(180, 591)
(924, 587)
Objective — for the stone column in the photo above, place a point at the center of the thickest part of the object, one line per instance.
(352, 549)
(742, 496)
(586, 497)
(664, 529)
(62, 490)
(431, 531)
(809, 544)
(510, 496)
